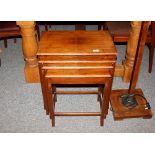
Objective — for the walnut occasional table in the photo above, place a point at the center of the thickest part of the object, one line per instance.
(76, 57)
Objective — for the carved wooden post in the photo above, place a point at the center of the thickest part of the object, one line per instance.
(29, 45)
(131, 50)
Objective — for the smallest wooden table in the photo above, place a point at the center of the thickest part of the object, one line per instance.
(76, 57)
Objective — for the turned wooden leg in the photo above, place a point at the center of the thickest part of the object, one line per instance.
(30, 47)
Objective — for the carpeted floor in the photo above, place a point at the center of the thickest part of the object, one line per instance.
(21, 106)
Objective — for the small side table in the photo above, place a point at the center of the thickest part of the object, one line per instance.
(76, 57)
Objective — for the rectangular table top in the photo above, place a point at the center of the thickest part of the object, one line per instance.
(76, 43)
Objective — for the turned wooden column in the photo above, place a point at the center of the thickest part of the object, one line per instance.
(29, 45)
(131, 50)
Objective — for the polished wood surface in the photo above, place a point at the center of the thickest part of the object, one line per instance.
(96, 43)
(122, 70)
(30, 47)
(77, 57)
(121, 112)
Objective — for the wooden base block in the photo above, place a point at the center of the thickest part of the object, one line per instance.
(121, 112)
(32, 74)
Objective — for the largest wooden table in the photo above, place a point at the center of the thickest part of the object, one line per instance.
(30, 47)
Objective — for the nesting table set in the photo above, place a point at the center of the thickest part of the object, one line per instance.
(76, 58)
